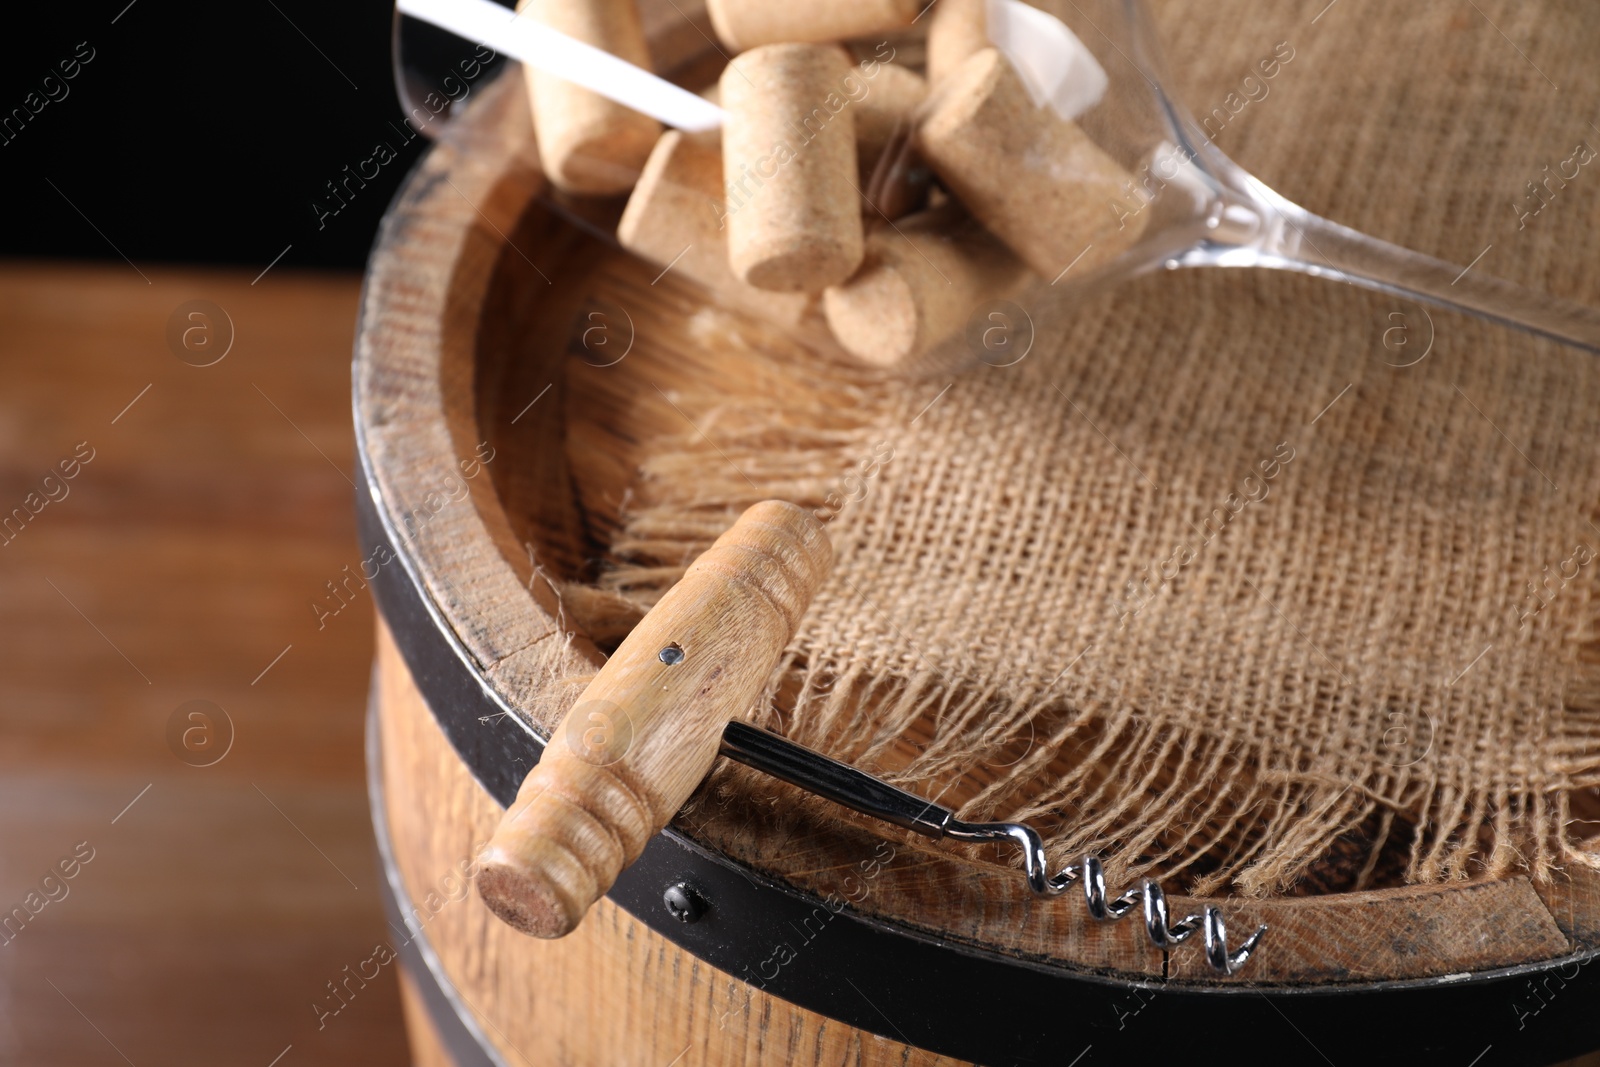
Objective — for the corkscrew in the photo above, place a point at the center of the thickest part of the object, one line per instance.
(855, 789)
(648, 727)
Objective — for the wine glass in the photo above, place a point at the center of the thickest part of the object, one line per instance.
(1214, 213)
(437, 71)
(1204, 209)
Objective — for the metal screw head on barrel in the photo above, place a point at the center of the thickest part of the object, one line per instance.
(646, 730)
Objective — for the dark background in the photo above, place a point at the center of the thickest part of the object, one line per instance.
(199, 132)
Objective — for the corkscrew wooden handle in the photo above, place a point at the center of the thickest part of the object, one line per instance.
(645, 732)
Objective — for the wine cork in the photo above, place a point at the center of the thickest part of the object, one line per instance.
(589, 145)
(892, 94)
(919, 284)
(743, 24)
(957, 29)
(789, 168)
(1032, 177)
(674, 219)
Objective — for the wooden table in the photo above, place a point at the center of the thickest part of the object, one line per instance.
(181, 563)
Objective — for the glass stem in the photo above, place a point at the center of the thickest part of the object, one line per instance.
(1291, 238)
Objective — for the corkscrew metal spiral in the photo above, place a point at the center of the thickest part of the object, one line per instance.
(1089, 873)
(855, 789)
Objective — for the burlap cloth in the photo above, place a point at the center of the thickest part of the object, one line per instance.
(1215, 587)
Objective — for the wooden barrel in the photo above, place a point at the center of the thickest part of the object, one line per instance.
(804, 939)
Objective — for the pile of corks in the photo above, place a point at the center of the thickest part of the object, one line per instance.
(817, 189)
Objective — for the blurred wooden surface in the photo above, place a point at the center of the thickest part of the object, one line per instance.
(183, 560)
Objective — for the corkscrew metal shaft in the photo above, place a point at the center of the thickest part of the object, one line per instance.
(812, 771)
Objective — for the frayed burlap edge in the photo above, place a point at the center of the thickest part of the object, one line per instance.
(1211, 813)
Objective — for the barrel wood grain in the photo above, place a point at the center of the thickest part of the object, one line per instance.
(1574, 903)
(427, 1046)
